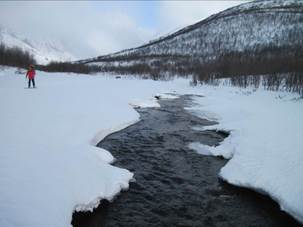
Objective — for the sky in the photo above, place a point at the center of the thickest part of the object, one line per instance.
(92, 28)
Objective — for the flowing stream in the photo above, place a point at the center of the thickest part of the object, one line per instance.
(174, 185)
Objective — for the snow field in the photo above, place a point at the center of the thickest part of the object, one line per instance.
(49, 165)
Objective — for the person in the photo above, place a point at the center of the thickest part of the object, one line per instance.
(31, 76)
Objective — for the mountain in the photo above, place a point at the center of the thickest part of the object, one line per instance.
(256, 37)
(43, 51)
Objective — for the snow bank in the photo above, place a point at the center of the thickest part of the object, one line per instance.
(48, 166)
(153, 101)
(167, 96)
(265, 145)
(201, 148)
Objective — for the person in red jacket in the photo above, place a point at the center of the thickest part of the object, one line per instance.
(31, 76)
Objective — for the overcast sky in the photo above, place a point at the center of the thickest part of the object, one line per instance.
(91, 28)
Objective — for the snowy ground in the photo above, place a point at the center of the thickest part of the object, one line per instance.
(266, 141)
(49, 165)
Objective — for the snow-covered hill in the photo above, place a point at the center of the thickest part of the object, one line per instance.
(43, 51)
(259, 28)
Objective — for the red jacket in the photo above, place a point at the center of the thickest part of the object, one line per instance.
(31, 74)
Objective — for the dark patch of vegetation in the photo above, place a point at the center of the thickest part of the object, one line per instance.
(69, 67)
(14, 56)
(282, 68)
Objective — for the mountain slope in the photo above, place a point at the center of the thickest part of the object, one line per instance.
(43, 52)
(249, 34)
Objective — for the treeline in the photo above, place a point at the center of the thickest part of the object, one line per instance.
(265, 61)
(291, 82)
(283, 65)
(14, 56)
(273, 68)
(69, 67)
(155, 66)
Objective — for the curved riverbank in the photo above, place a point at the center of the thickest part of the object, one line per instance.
(174, 185)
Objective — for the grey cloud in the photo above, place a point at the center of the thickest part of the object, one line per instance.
(82, 29)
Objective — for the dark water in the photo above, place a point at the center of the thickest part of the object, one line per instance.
(174, 185)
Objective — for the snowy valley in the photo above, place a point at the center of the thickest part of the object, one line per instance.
(243, 40)
(233, 82)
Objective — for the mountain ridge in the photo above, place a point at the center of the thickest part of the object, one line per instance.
(256, 7)
(43, 52)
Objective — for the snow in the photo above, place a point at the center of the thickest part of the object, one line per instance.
(49, 166)
(151, 102)
(201, 148)
(265, 145)
(167, 96)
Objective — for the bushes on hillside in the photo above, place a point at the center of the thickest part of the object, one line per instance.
(283, 66)
(14, 56)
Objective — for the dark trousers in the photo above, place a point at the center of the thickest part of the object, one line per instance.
(29, 82)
